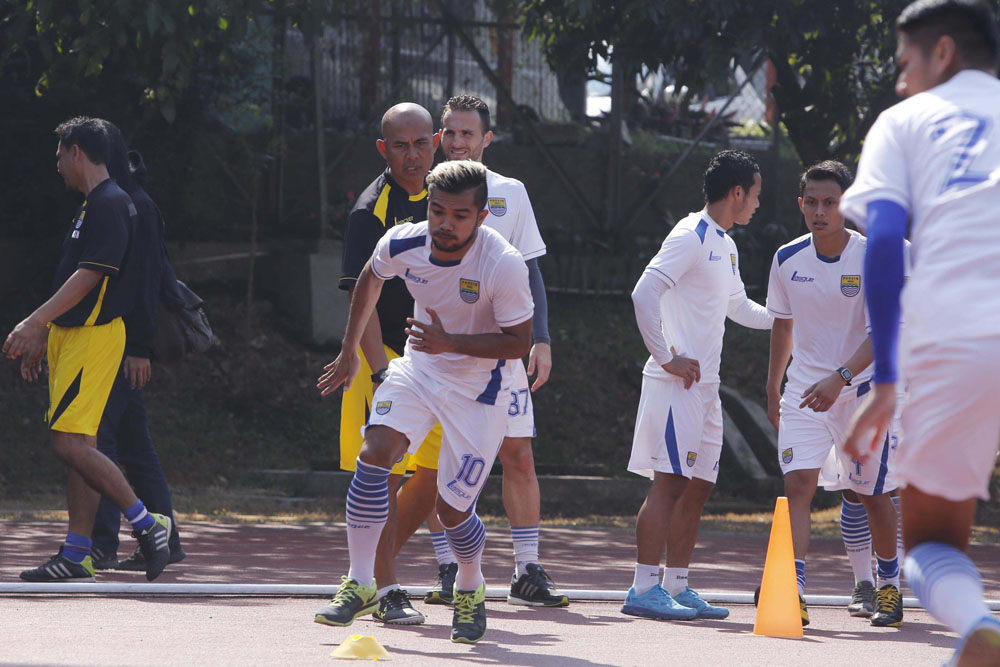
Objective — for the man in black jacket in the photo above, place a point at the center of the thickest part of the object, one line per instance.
(124, 433)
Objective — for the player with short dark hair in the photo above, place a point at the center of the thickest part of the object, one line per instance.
(465, 134)
(930, 167)
(681, 303)
(472, 315)
(397, 197)
(80, 329)
(817, 279)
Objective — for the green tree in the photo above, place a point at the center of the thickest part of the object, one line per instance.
(151, 49)
(833, 59)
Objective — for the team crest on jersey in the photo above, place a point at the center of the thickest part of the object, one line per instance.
(786, 456)
(468, 290)
(691, 458)
(732, 258)
(850, 285)
(383, 407)
(497, 206)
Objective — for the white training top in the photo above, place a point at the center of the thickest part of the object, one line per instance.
(485, 290)
(510, 214)
(937, 154)
(699, 263)
(825, 298)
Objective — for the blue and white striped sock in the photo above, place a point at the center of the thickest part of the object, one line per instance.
(367, 512)
(76, 548)
(467, 541)
(948, 585)
(138, 516)
(800, 576)
(441, 549)
(900, 554)
(888, 571)
(857, 540)
(525, 547)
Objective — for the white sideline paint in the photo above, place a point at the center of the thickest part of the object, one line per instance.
(309, 590)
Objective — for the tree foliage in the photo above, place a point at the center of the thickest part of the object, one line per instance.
(151, 49)
(833, 59)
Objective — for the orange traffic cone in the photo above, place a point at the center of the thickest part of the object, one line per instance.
(778, 612)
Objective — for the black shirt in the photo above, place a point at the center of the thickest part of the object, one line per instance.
(143, 272)
(382, 205)
(98, 240)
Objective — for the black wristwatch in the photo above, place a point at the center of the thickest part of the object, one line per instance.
(845, 373)
(380, 376)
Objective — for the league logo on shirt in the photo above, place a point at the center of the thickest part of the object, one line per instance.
(691, 458)
(468, 290)
(732, 258)
(850, 285)
(786, 456)
(383, 407)
(497, 206)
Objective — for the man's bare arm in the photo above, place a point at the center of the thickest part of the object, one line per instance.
(372, 345)
(430, 337)
(343, 369)
(781, 352)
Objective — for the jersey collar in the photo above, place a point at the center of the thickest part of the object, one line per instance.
(715, 226)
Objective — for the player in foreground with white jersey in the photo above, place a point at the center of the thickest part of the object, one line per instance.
(933, 161)
(465, 134)
(681, 304)
(472, 315)
(816, 294)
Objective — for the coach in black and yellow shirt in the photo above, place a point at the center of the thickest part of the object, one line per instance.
(396, 197)
(81, 327)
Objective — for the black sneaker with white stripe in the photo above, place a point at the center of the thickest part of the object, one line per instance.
(60, 569)
(534, 588)
(153, 542)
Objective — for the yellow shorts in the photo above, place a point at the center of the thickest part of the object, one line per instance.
(83, 363)
(354, 411)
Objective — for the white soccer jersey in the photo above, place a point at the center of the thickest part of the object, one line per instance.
(486, 290)
(937, 154)
(825, 298)
(510, 214)
(699, 262)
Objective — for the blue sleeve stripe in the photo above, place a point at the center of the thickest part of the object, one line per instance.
(673, 283)
(884, 283)
(788, 251)
(397, 246)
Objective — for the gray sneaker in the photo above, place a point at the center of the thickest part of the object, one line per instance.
(862, 600)
(394, 608)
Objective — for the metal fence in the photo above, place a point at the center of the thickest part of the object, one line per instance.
(365, 52)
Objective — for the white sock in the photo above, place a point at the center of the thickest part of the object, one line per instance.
(646, 577)
(467, 540)
(675, 580)
(367, 512)
(948, 584)
(900, 554)
(382, 591)
(525, 540)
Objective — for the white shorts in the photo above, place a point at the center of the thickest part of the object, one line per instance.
(951, 418)
(411, 403)
(677, 431)
(520, 413)
(808, 440)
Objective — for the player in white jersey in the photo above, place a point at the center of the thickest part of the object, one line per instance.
(465, 134)
(816, 295)
(933, 161)
(681, 304)
(472, 316)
